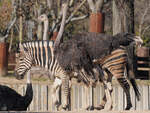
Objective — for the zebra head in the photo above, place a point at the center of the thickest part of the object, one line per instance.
(24, 63)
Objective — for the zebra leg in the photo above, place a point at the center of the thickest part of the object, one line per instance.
(126, 87)
(55, 92)
(107, 98)
(65, 93)
(108, 93)
(102, 104)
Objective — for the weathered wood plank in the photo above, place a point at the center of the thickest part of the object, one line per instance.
(130, 111)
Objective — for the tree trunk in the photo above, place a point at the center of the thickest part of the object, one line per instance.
(30, 27)
(39, 30)
(62, 26)
(123, 16)
(20, 24)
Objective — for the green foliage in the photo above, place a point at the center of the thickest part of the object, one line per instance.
(146, 40)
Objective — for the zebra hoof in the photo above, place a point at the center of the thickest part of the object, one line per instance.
(57, 104)
(128, 107)
(100, 107)
(90, 108)
(63, 108)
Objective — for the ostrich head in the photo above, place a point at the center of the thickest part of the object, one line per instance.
(138, 40)
(43, 18)
(126, 38)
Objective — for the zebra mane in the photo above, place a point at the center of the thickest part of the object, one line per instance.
(38, 43)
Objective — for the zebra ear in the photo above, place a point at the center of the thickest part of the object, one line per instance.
(21, 48)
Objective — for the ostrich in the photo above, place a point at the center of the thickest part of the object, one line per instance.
(43, 18)
(10, 100)
(77, 53)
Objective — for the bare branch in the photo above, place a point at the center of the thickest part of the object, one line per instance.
(8, 30)
(49, 3)
(92, 6)
(11, 39)
(56, 23)
(71, 3)
(99, 5)
(78, 18)
(145, 29)
(72, 14)
(61, 30)
(142, 19)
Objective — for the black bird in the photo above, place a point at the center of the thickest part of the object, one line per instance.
(83, 49)
(10, 100)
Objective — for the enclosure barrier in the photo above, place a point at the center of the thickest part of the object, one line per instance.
(143, 63)
(80, 98)
(81, 112)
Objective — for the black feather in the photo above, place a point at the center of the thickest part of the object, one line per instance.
(10, 100)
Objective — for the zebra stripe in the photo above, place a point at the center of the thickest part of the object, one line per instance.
(115, 62)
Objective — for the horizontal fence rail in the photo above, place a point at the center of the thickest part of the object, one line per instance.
(80, 97)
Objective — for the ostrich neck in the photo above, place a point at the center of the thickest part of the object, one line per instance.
(29, 91)
(28, 77)
(45, 30)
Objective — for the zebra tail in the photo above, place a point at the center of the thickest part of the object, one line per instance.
(136, 89)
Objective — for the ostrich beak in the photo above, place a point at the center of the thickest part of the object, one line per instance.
(138, 41)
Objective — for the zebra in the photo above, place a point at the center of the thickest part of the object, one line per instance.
(116, 64)
(41, 53)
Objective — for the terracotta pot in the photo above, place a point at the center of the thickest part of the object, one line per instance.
(143, 52)
(3, 58)
(97, 22)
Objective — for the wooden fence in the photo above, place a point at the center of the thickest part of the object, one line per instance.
(143, 63)
(129, 111)
(80, 98)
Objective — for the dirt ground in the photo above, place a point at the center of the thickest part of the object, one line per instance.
(13, 80)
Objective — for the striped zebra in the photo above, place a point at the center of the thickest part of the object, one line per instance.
(116, 64)
(41, 53)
